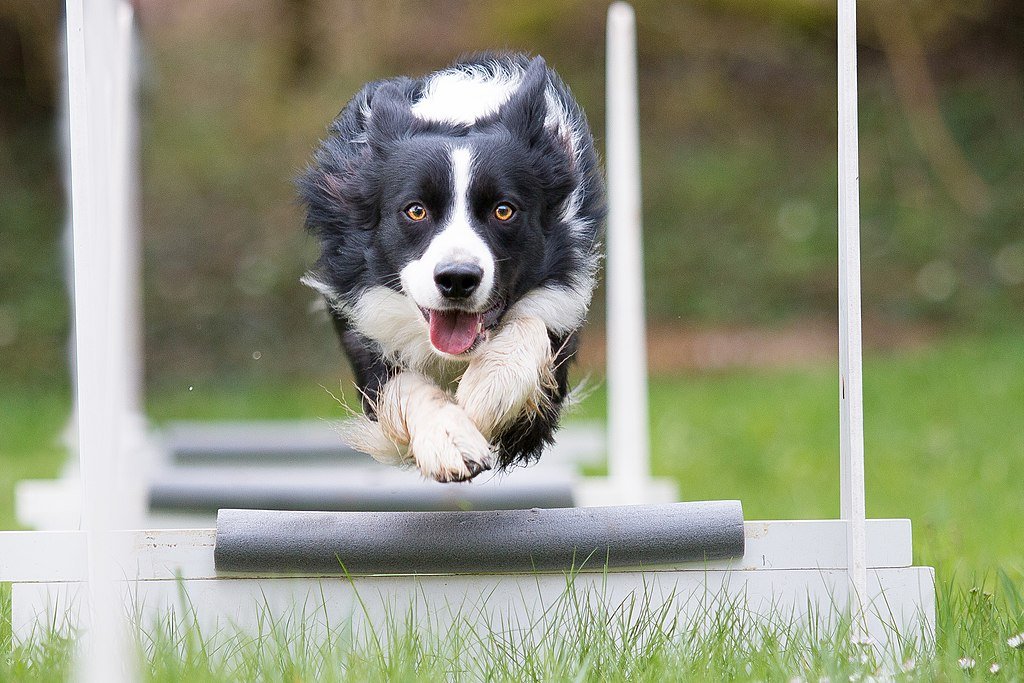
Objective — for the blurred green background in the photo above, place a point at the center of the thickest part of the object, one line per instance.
(738, 114)
(738, 111)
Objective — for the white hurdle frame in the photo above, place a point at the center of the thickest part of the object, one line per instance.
(862, 564)
(100, 99)
(629, 468)
(851, 400)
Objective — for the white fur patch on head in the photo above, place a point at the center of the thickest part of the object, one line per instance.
(465, 95)
(469, 92)
(457, 242)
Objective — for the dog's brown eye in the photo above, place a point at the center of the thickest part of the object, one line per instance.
(416, 212)
(503, 211)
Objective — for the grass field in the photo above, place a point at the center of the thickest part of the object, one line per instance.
(944, 442)
(578, 641)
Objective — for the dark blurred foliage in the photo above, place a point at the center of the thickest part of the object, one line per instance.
(738, 111)
(33, 312)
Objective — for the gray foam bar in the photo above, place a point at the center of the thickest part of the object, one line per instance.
(191, 443)
(316, 442)
(200, 492)
(259, 541)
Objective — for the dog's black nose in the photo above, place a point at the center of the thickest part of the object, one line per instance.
(458, 280)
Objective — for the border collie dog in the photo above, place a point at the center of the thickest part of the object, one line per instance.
(459, 218)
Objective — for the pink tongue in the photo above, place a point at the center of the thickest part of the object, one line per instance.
(453, 331)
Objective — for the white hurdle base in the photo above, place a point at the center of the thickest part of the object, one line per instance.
(791, 570)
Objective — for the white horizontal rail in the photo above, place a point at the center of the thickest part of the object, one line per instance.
(57, 556)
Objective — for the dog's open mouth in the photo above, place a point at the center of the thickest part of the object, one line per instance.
(456, 331)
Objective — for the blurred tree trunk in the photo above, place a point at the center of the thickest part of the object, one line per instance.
(302, 38)
(28, 62)
(920, 101)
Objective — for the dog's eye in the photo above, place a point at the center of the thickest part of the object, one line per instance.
(504, 211)
(416, 211)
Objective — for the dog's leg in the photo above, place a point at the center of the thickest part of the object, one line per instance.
(366, 435)
(372, 372)
(511, 376)
(416, 422)
(407, 419)
(442, 440)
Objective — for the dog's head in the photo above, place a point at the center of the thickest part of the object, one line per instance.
(462, 217)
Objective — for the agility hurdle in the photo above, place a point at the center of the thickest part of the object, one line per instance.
(268, 562)
(816, 569)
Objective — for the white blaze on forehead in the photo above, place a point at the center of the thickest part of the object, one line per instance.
(457, 242)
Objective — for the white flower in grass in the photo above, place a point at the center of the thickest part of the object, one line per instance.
(995, 668)
(1016, 642)
(909, 665)
(966, 663)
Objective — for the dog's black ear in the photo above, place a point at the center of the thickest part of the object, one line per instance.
(523, 114)
(390, 116)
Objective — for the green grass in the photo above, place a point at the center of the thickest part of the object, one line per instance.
(31, 420)
(579, 637)
(944, 437)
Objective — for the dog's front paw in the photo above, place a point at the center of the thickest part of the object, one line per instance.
(449, 447)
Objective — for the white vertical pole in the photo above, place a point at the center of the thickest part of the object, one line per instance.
(126, 188)
(125, 299)
(97, 230)
(628, 441)
(851, 404)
